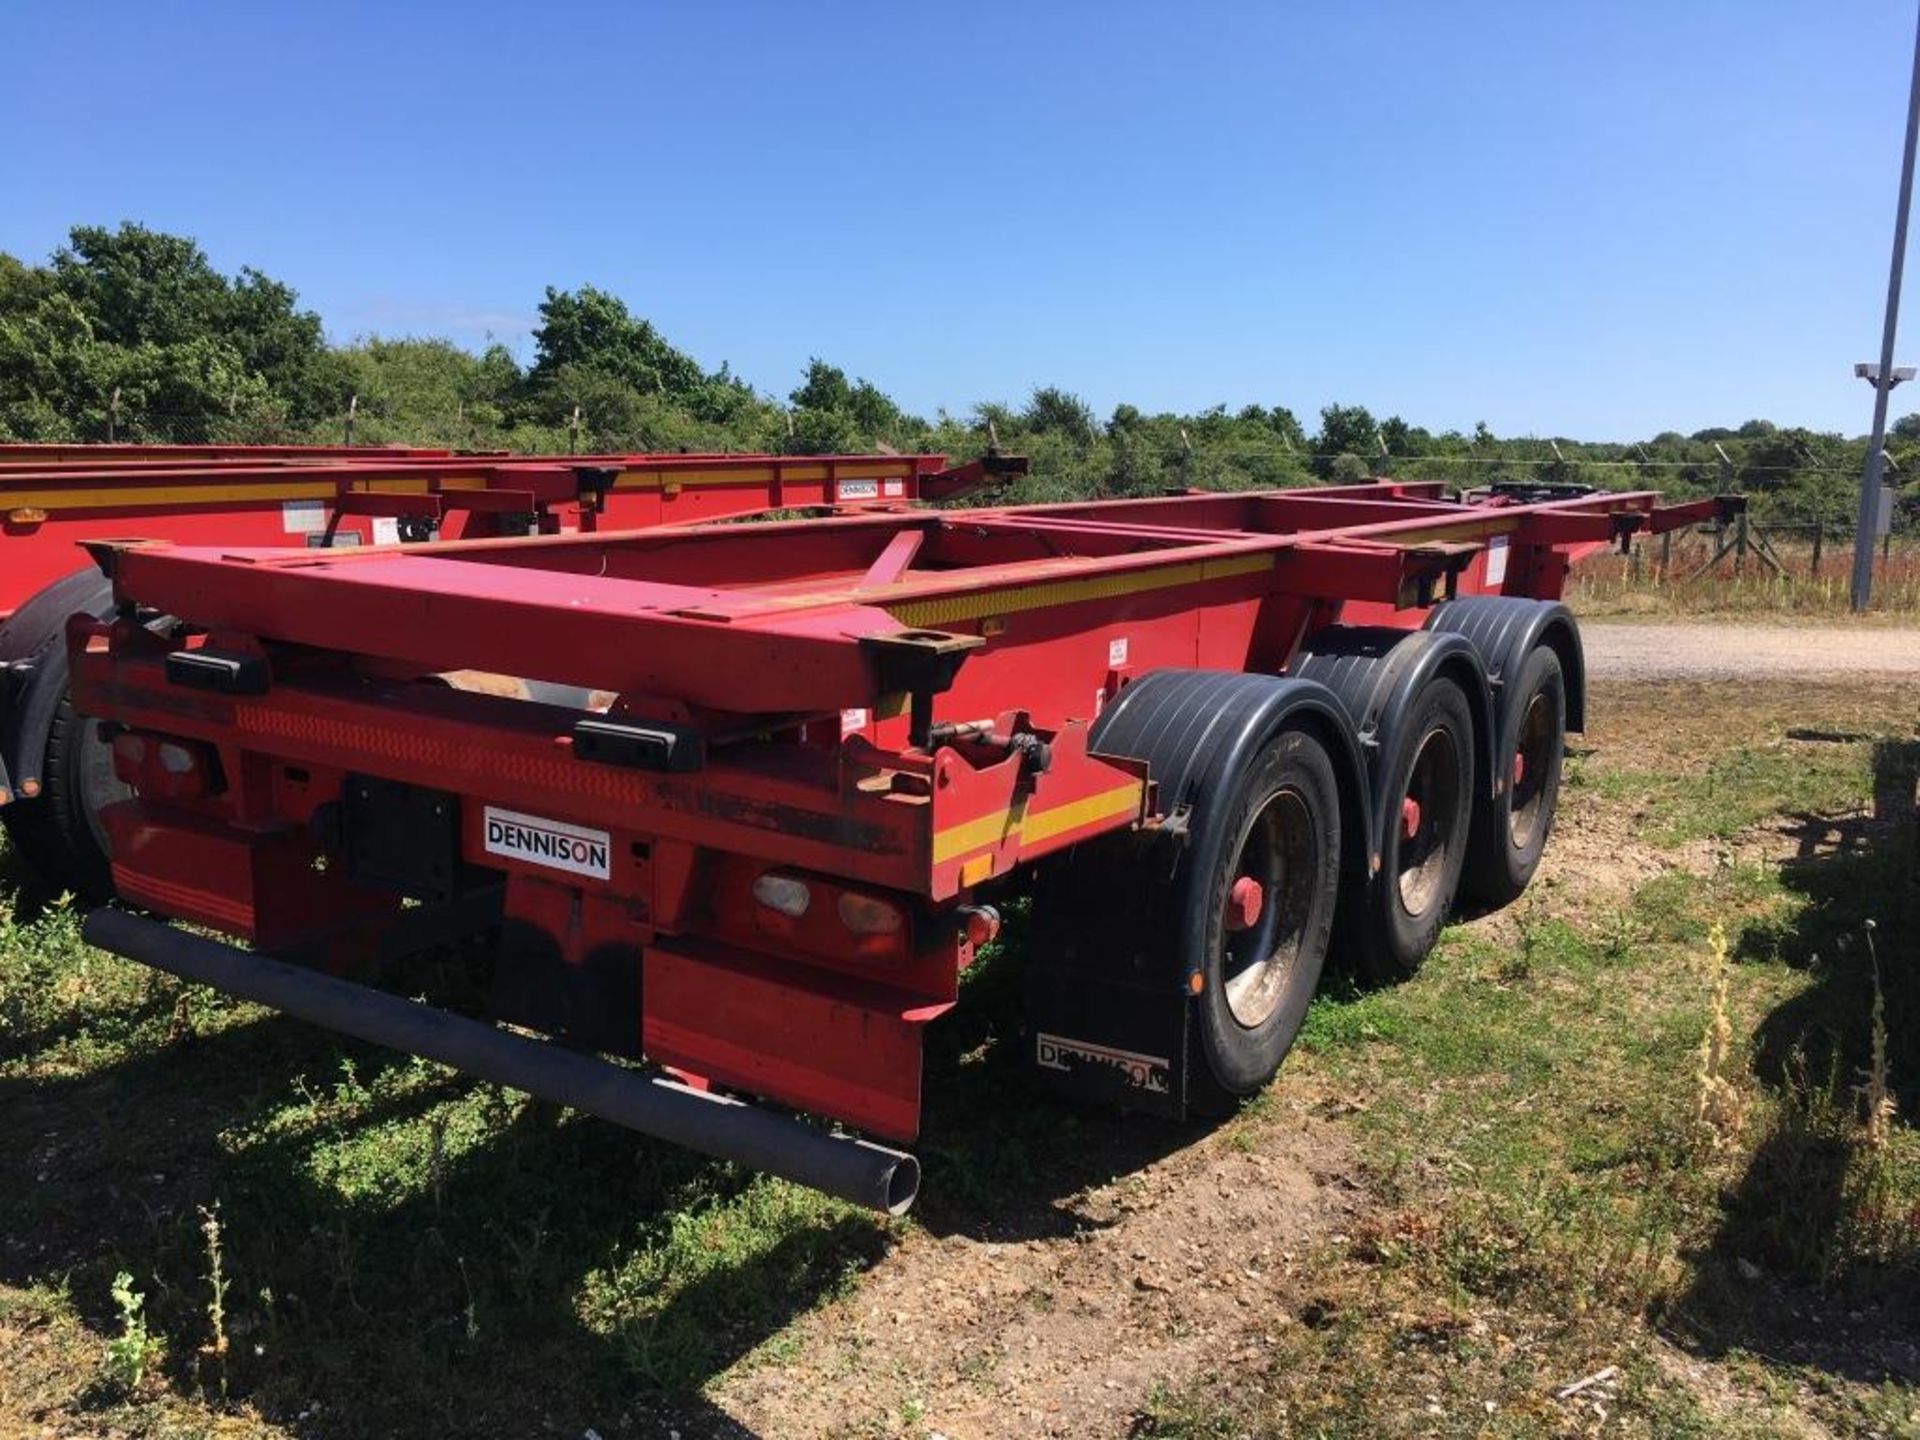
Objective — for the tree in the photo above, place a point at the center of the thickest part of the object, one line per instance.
(1050, 409)
(590, 329)
(145, 313)
(1344, 430)
(824, 388)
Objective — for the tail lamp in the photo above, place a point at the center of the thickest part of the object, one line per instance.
(167, 766)
(817, 916)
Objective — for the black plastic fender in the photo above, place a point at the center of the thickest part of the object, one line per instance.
(1376, 672)
(33, 652)
(1196, 728)
(1505, 629)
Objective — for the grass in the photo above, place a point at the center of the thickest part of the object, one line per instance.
(1566, 1185)
(328, 1239)
(384, 1230)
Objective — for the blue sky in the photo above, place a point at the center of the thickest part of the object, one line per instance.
(1599, 221)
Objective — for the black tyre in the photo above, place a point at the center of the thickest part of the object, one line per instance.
(58, 832)
(1257, 900)
(1510, 829)
(1390, 922)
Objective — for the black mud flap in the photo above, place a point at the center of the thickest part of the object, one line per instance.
(1107, 1011)
(1108, 1041)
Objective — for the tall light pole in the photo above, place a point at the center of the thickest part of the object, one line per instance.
(1882, 375)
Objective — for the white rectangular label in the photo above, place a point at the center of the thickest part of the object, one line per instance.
(894, 489)
(1496, 560)
(386, 529)
(858, 490)
(852, 721)
(1116, 653)
(303, 517)
(553, 843)
(1143, 1072)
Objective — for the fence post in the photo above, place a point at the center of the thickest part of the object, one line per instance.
(113, 416)
(353, 404)
(573, 432)
(1819, 542)
(1740, 542)
(1666, 556)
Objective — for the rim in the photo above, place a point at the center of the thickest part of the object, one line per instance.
(1428, 819)
(1530, 771)
(1278, 854)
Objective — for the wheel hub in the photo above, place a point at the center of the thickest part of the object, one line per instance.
(1245, 900)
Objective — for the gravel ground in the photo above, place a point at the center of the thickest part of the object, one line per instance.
(1718, 649)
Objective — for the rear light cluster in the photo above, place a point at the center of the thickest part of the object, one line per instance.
(166, 767)
(818, 915)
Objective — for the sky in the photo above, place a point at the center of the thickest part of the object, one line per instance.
(1598, 221)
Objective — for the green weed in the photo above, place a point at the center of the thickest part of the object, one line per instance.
(131, 1353)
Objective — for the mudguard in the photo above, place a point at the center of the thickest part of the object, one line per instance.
(1195, 728)
(1376, 671)
(1505, 630)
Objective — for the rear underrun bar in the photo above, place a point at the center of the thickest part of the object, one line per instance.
(857, 1171)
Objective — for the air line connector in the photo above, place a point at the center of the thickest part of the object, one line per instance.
(1035, 754)
(920, 664)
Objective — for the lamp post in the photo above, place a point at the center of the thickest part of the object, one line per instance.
(1883, 377)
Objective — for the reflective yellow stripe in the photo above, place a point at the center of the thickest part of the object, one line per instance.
(148, 497)
(1036, 827)
(762, 475)
(947, 610)
(1455, 533)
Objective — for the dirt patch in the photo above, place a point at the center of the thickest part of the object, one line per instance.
(1187, 1265)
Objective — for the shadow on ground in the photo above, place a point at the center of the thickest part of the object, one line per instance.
(461, 1307)
(1817, 1261)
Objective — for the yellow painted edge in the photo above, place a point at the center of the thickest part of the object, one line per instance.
(1448, 532)
(146, 497)
(1037, 826)
(762, 475)
(948, 610)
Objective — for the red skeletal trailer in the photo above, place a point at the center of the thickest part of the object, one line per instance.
(775, 778)
(55, 497)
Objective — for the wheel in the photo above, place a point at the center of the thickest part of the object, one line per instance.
(59, 831)
(1388, 924)
(1258, 900)
(1510, 829)
(1168, 970)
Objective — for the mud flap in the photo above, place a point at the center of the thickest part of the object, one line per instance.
(1109, 1041)
(1107, 1012)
